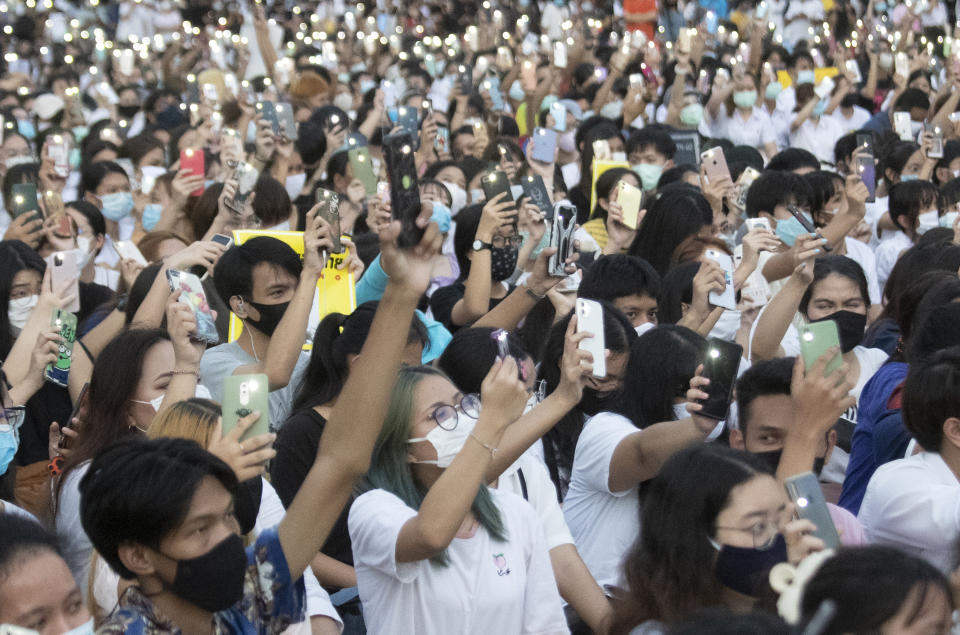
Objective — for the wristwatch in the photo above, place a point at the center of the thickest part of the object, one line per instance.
(479, 245)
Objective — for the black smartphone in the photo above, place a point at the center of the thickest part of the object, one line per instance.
(867, 170)
(534, 187)
(494, 184)
(466, 78)
(805, 222)
(865, 141)
(330, 211)
(721, 360)
(398, 153)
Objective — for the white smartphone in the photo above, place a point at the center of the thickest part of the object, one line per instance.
(901, 64)
(560, 54)
(590, 319)
(824, 88)
(65, 273)
(728, 298)
(129, 251)
(757, 223)
(901, 125)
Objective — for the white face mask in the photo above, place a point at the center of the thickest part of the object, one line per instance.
(643, 328)
(83, 251)
(927, 221)
(84, 629)
(294, 184)
(19, 310)
(680, 411)
(458, 197)
(567, 141)
(727, 326)
(343, 101)
(200, 392)
(448, 443)
(948, 219)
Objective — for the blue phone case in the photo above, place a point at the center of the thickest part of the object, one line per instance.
(544, 145)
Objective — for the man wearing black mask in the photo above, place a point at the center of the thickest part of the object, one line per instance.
(265, 285)
(784, 411)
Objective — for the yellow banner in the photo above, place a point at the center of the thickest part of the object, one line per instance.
(336, 288)
(818, 73)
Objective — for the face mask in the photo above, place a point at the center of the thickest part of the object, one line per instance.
(927, 221)
(127, 112)
(691, 115)
(172, 117)
(116, 206)
(885, 61)
(26, 128)
(503, 262)
(151, 214)
(948, 219)
(567, 141)
(789, 229)
(771, 459)
(805, 77)
(19, 310)
(745, 98)
(80, 133)
(74, 158)
(773, 90)
(612, 109)
(916, 127)
(447, 443)
(851, 326)
(516, 91)
(649, 174)
(343, 101)
(366, 85)
(819, 108)
(9, 442)
(270, 316)
(643, 328)
(727, 326)
(84, 629)
(476, 196)
(294, 184)
(83, 251)
(213, 581)
(458, 197)
(745, 569)
(880, 7)
(909, 177)
(680, 411)
(200, 392)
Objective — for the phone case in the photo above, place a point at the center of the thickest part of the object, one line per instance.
(243, 395)
(590, 319)
(721, 361)
(630, 199)
(25, 200)
(601, 150)
(747, 177)
(408, 119)
(714, 164)
(901, 64)
(815, 339)
(404, 190)
(824, 88)
(728, 298)
(562, 227)
(192, 160)
(59, 152)
(362, 166)
(128, 250)
(246, 176)
(901, 125)
(268, 111)
(804, 490)
(287, 124)
(866, 168)
(442, 142)
(560, 54)
(536, 190)
(757, 223)
(494, 184)
(559, 113)
(193, 295)
(330, 212)
(64, 273)
(491, 86)
(465, 78)
(853, 70)
(936, 147)
(66, 325)
(544, 145)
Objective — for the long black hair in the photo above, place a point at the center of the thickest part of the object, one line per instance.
(842, 266)
(679, 212)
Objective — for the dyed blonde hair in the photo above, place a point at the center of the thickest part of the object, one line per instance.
(193, 419)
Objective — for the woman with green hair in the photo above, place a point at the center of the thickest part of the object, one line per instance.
(435, 550)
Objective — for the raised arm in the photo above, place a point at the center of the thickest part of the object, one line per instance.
(773, 322)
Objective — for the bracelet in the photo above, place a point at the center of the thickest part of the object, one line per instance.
(185, 372)
(493, 450)
(530, 292)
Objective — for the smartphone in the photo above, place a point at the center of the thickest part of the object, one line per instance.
(536, 190)
(728, 297)
(560, 54)
(804, 490)
(286, 122)
(126, 62)
(465, 77)
(901, 125)
(866, 168)
(545, 145)
(815, 339)
(714, 164)
(65, 273)
(491, 86)
(243, 395)
(129, 251)
(747, 177)
(824, 88)
(268, 111)
(901, 64)
(148, 177)
(590, 319)
(684, 41)
(721, 360)
(246, 177)
(362, 166)
(442, 142)
(494, 184)
(936, 147)
(193, 295)
(865, 141)
(59, 151)
(408, 120)
(559, 113)
(757, 223)
(192, 159)
(853, 70)
(222, 239)
(528, 76)
(230, 140)
(503, 348)
(25, 200)
(601, 150)
(66, 325)
(562, 228)
(330, 211)
(404, 188)
(630, 199)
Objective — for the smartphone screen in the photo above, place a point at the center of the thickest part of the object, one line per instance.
(721, 360)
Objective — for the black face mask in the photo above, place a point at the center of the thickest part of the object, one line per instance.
(171, 117)
(772, 460)
(503, 262)
(593, 401)
(213, 581)
(745, 570)
(850, 326)
(127, 112)
(270, 316)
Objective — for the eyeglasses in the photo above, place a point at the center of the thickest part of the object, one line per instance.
(445, 416)
(509, 241)
(13, 416)
(764, 532)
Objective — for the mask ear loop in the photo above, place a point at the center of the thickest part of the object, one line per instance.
(252, 345)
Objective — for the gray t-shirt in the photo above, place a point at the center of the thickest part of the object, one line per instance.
(219, 362)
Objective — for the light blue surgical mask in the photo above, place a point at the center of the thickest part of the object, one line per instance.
(26, 128)
(80, 133)
(441, 216)
(880, 7)
(820, 108)
(789, 229)
(84, 629)
(745, 98)
(516, 91)
(649, 174)
(207, 183)
(773, 90)
(151, 215)
(691, 115)
(366, 85)
(9, 436)
(909, 177)
(805, 77)
(117, 206)
(74, 158)
(948, 219)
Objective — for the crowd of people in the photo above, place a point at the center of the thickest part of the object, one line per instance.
(344, 318)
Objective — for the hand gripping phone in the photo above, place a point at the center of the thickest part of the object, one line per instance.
(561, 237)
(630, 199)
(192, 161)
(65, 273)
(590, 319)
(721, 361)
(867, 170)
(804, 490)
(714, 164)
(815, 339)
(243, 395)
(398, 153)
(728, 297)
(66, 325)
(494, 184)
(536, 190)
(25, 200)
(330, 211)
(193, 295)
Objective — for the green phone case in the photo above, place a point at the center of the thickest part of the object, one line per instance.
(243, 394)
(815, 339)
(362, 166)
(24, 197)
(66, 324)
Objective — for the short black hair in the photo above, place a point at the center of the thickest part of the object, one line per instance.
(844, 147)
(93, 215)
(790, 159)
(19, 537)
(93, 175)
(773, 188)
(910, 199)
(911, 98)
(617, 276)
(769, 377)
(931, 395)
(233, 274)
(311, 142)
(140, 491)
(655, 136)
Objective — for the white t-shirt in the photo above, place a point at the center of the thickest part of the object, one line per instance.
(818, 137)
(486, 586)
(864, 256)
(888, 253)
(604, 523)
(541, 494)
(756, 130)
(858, 117)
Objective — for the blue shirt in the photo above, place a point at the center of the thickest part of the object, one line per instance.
(271, 600)
(879, 123)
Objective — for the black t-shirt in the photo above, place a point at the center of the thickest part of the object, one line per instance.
(296, 445)
(443, 300)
